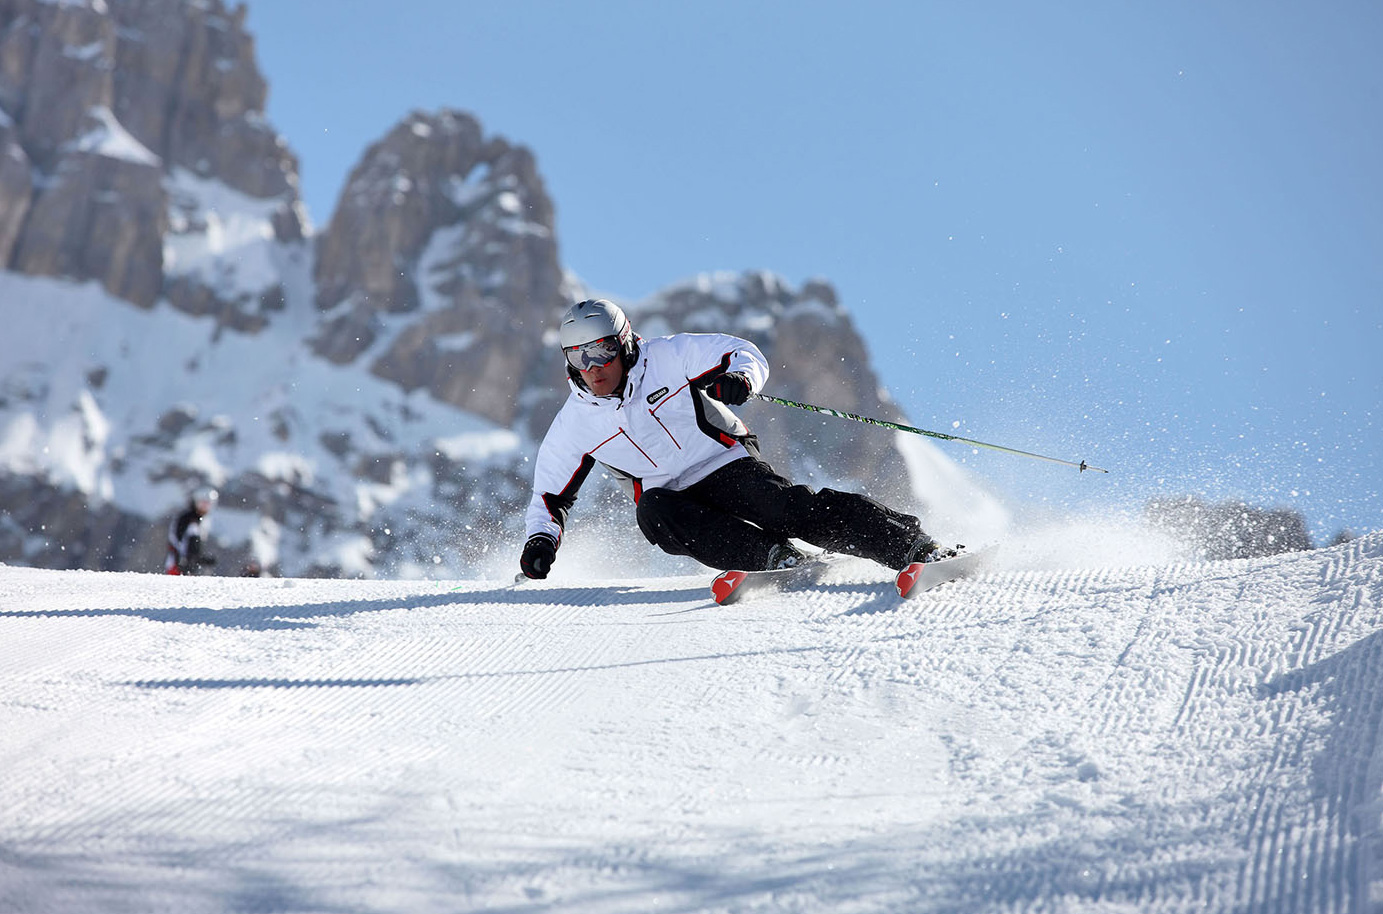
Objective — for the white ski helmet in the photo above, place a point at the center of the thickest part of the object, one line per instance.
(204, 498)
(596, 319)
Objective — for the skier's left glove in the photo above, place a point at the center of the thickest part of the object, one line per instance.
(731, 387)
(538, 555)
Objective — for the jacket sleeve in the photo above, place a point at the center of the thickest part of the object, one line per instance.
(708, 355)
(178, 533)
(559, 471)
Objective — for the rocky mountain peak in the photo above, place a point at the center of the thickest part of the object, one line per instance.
(113, 114)
(439, 268)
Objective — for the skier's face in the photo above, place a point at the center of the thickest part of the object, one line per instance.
(603, 380)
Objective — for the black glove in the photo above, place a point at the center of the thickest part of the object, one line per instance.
(538, 555)
(731, 387)
(205, 559)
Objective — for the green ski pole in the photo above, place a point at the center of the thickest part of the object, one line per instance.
(1082, 466)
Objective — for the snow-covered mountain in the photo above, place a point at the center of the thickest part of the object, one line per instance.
(367, 396)
(1088, 727)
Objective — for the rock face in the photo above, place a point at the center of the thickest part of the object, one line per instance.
(16, 188)
(368, 399)
(187, 86)
(120, 110)
(439, 268)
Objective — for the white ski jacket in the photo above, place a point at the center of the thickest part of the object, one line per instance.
(661, 430)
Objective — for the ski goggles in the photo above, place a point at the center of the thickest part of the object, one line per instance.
(593, 354)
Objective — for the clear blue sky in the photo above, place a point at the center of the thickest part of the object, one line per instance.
(1147, 235)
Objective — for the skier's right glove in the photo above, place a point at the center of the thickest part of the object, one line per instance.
(538, 555)
(731, 387)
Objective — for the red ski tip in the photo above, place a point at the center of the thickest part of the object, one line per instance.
(907, 578)
(724, 586)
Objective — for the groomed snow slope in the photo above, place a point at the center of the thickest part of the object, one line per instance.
(1172, 738)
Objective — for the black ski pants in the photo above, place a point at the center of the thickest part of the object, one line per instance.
(732, 518)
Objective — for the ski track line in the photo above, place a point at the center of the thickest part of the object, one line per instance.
(1301, 850)
(1142, 695)
(549, 668)
(30, 651)
(274, 705)
(232, 723)
(1351, 599)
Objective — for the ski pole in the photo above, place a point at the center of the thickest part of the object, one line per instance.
(1082, 466)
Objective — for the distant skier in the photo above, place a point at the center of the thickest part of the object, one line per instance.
(655, 413)
(186, 533)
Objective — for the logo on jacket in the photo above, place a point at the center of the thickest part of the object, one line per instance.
(656, 395)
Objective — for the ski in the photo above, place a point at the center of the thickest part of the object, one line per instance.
(920, 577)
(732, 586)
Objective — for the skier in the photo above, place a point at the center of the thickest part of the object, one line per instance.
(186, 532)
(655, 413)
